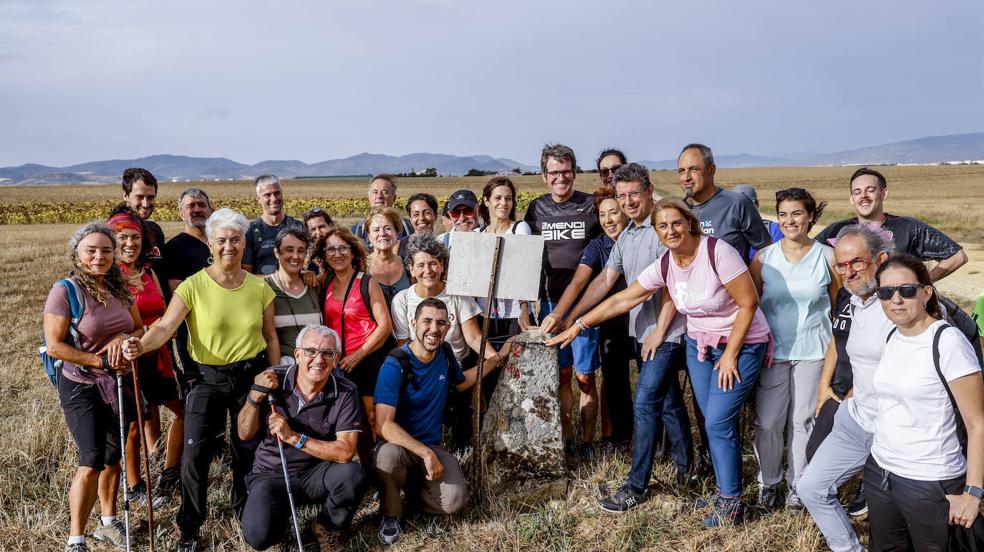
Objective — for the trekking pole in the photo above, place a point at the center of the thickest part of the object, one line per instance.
(290, 495)
(123, 432)
(146, 456)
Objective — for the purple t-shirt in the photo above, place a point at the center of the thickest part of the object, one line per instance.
(97, 327)
(700, 294)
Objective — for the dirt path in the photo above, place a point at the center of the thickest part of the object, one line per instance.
(966, 284)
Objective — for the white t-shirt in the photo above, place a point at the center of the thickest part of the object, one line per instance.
(916, 431)
(865, 345)
(460, 309)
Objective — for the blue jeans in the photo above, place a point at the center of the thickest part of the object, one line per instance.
(722, 408)
(658, 398)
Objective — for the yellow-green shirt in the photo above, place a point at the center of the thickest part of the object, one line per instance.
(224, 325)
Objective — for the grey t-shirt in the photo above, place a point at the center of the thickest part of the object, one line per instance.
(260, 239)
(733, 218)
(636, 248)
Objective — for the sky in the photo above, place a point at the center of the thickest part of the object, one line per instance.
(317, 80)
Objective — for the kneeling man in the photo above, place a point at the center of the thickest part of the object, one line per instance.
(411, 393)
(318, 418)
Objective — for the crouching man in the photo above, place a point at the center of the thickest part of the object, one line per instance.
(318, 419)
(411, 393)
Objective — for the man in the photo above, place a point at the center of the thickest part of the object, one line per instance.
(567, 219)
(608, 162)
(316, 222)
(748, 191)
(409, 415)
(722, 213)
(859, 251)
(422, 208)
(317, 417)
(259, 256)
(658, 394)
(463, 211)
(140, 195)
(382, 193)
(188, 252)
(869, 190)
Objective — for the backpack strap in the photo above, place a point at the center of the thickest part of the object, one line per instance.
(406, 368)
(957, 418)
(257, 239)
(711, 246)
(895, 328)
(450, 360)
(664, 265)
(341, 314)
(512, 229)
(364, 291)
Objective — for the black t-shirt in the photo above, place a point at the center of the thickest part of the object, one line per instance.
(566, 228)
(260, 239)
(186, 255)
(158, 255)
(843, 377)
(910, 235)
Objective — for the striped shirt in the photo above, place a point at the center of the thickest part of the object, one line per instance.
(293, 312)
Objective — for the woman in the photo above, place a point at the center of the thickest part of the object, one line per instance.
(295, 304)
(232, 337)
(727, 335)
(796, 281)
(364, 326)
(157, 380)
(384, 226)
(919, 477)
(614, 360)
(86, 384)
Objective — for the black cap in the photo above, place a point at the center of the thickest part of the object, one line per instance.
(462, 197)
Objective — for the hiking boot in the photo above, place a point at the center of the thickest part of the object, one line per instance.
(389, 530)
(137, 494)
(77, 547)
(859, 505)
(793, 502)
(114, 533)
(768, 497)
(623, 501)
(169, 480)
(728, 512)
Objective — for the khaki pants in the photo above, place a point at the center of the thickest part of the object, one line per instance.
(400, 470)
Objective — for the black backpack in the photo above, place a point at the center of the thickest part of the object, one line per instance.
(406, 367)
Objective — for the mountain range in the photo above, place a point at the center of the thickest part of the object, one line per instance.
(934, 149)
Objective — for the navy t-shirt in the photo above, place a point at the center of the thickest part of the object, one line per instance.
(566, 229)
(420, 406)
(910, 235)
(260, 240)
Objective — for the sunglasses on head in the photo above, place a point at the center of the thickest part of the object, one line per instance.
(906, 291)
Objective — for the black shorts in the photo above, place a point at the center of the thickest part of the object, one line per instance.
(154, 386)
(94, 426)
(365, 374)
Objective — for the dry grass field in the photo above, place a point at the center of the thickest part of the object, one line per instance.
(37, 456)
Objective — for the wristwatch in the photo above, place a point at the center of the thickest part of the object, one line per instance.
(975, 492)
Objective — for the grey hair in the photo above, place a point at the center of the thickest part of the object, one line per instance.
(91, 227)
(632, 172)
(560, 152)
(266, 180)
(323, 331)
(385, 178)
(876, 240)
(705, 153)
(228, 219)
(427, 243)
(196, 193)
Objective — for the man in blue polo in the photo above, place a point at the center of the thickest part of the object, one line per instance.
(318, 418)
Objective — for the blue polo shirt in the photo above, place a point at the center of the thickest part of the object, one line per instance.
(420, 406)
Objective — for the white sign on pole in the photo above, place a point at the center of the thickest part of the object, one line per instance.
(520, 261)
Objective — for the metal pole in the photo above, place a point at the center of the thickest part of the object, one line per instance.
(478, 466)
(123, 432)
(290, 494)
(146, 456)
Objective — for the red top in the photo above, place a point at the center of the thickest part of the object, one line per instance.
(150, 303)
(358, 322)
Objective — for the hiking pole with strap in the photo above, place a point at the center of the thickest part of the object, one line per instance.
(123, 432)
(146, 457)
(290, 494)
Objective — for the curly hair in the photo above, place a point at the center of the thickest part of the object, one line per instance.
(112, 281)
(429, 244)
(359, 254)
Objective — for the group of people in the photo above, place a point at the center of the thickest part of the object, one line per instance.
(319, 344)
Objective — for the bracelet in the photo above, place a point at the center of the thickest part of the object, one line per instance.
(252, 401)
(301, 441)
(580, 324)
(104, 362)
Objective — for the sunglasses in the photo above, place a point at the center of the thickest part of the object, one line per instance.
(606, 172)
(906, 291)
(461, 211)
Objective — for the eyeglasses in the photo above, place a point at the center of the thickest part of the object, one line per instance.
(554, 175)
(906, 291)
(340, 250)
(631, 195)
(606, 172)
(312, 353)
(857, 264)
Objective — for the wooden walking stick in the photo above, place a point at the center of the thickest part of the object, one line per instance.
(478, 466)
(146, 457)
